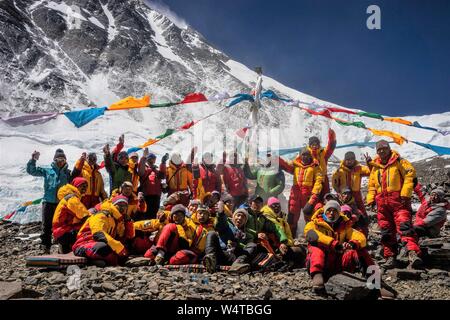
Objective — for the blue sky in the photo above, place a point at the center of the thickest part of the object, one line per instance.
(325, 49)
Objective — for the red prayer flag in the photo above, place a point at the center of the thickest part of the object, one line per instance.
(333, 109)
(194, 97)
(187, 125)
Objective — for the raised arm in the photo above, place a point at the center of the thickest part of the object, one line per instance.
(286, 166)
(331, 145)
(31, 166)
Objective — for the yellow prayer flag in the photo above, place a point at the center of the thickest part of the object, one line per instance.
(149, 143)
(399, 120)
(130, 103)
(398, 139)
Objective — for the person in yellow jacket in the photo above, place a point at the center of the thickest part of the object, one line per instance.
(322, 155)
(136, 203)
(88, 168)
(306, 186)
(148, 231)
(69, 214)
(349, 175)
(202, 216)
(391, 184)
(291, 252)
(180, 242)
(102, 236)
(179, 178)
(333, 245)
(133, 168)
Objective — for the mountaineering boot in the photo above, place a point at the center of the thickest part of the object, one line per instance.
(98, 263)
(239, 268)
(210, 262)
(390, 263)
(159, 259)
(318, 285)
(415, 262)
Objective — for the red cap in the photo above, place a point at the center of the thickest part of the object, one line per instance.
(78, 181)
(118, 199)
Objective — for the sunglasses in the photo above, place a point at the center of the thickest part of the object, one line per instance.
(60, 160)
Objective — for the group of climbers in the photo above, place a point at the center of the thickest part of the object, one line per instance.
(208, 216)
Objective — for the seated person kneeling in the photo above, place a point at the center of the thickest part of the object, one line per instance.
(333, 245)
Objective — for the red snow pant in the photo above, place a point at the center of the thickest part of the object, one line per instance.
(173, 246)
(141, 244)
(297, 200)
(359, 202)
(325, 187)
(96, 251)
(394, 218)
(324, 260)
(90, 201)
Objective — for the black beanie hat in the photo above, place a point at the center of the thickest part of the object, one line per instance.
(59, 154)
(350, 155)
(313, 140)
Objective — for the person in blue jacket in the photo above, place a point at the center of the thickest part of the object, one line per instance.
(55, 177)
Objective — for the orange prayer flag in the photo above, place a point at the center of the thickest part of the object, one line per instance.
(399, 120)
(130, 103)
(149, 143)
(398, 139)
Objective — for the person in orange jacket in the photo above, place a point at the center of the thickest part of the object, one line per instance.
(432, 213)
(349, 175)
(206, 177)
(180, 242)
(202, 217)
(102, 236)
(148, 232)
(151, 181)
(390, 188)
(88, 168)
(322, 155)
(179, 178)
(333, 245)
(349, 207)
(306, 186)
(69, 214)
(136, 203)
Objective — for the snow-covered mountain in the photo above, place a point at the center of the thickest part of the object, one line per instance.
(63, 55)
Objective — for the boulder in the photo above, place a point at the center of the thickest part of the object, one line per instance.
(438, 258)
(10, 290)
(405, 274)
(346, 286)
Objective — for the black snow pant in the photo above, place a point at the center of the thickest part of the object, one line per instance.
(153, 202)
(224, 257)
(67, 240)
(48, 210)
(296, 256)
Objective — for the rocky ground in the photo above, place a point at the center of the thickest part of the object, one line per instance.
(145, 282)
